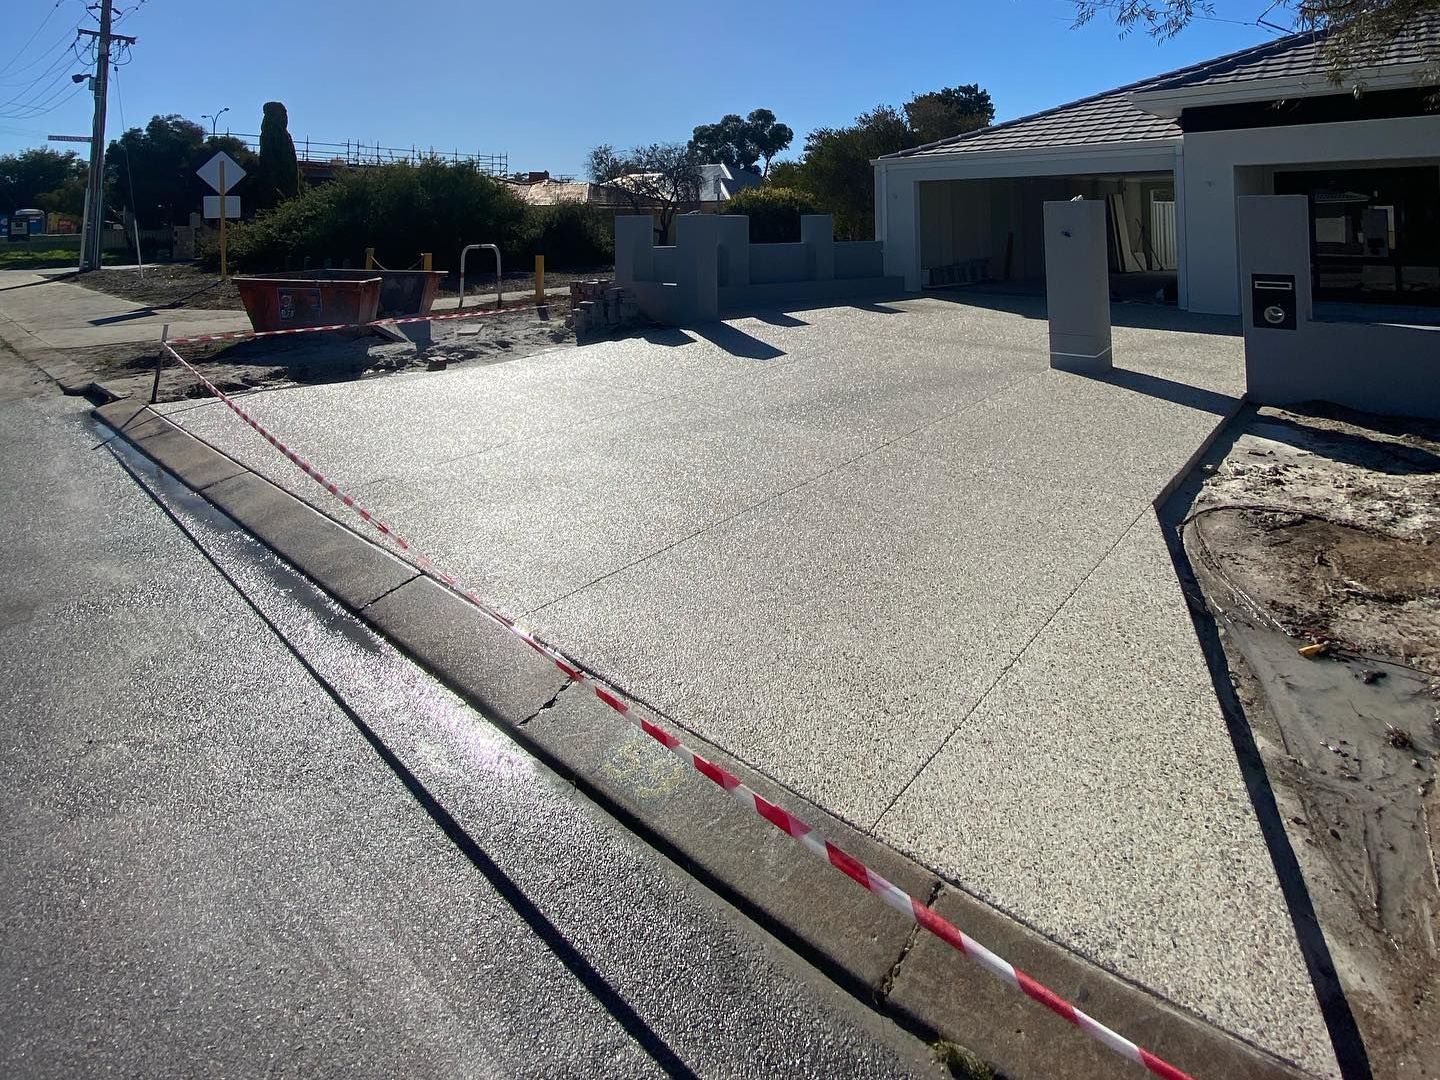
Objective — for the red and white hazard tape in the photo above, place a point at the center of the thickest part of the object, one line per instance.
(750, 799)
(237, 335)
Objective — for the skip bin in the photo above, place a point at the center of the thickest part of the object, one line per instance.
(290, 303)
(402, 292)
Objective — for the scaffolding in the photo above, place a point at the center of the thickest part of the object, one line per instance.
(357, 152)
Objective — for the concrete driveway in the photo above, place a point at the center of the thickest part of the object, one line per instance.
(887, 557)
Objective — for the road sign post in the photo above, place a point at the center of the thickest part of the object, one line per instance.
(222, 172)
(224, 264)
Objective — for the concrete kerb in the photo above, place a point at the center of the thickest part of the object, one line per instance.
(855, 940)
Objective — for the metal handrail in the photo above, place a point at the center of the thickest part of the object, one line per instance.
(499, 281)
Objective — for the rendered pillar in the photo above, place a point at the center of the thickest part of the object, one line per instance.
(697, 236)
(1077, 286)
(1273, 234)
(634, 248)
(734, 250)
(818, 230)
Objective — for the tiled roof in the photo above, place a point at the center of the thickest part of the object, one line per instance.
(1110, 117)
(1300, 55)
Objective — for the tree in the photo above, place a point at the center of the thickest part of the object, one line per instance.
(741, 142)
(399, 209)
(954, 110)
(279, 174)
(771, 137)
(151, 172)
(31, 178)
(837, 170)
(661, 178)
(1356, 30)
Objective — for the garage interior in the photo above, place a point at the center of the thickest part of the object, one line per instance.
(988, 235)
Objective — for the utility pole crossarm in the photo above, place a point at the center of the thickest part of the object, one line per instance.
(113, 37)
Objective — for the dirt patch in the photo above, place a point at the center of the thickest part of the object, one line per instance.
(1316, 541)
(331, 357)
(166, 286)
(1348, 588)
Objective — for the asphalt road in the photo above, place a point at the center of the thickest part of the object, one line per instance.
(242, 836)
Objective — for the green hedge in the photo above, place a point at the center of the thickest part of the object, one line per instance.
(774, 213)
(402, 210)
(571, 236)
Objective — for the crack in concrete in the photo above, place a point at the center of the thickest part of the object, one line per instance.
(887, 984)
(550, 704)
(384, 594)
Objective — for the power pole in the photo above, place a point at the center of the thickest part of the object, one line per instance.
(91, 229)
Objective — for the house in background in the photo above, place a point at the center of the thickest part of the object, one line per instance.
(720, 183)
(1170, 154)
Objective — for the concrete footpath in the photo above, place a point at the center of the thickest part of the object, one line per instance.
(887, 559)
(54, 313)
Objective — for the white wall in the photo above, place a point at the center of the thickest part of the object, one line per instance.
(1219, 165)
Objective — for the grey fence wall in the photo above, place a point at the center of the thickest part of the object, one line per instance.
(1373, 366)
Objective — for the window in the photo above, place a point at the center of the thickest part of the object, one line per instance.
(1374, 233)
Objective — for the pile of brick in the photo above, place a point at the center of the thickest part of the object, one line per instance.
(601, 307)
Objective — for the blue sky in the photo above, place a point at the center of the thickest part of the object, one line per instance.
(543, 82)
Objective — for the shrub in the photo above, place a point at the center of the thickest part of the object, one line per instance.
(571, 236)
(400, 210)
(774, 213)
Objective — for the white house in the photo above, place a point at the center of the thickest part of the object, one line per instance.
(1170, 155)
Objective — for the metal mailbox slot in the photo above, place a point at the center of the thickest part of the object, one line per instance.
(1272, 301)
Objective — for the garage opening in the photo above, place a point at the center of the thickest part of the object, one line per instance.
(988, 235)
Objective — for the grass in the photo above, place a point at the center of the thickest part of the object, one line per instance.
(24, 257)
(27, 258)
(962, 1063)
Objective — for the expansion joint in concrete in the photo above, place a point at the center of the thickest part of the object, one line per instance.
(999, 678)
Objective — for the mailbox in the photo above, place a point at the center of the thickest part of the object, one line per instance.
(1272, 301)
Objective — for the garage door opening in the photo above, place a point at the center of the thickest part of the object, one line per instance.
(988, 235)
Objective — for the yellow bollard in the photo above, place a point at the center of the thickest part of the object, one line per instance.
(540, 279)
(425, 261)
(369, 258)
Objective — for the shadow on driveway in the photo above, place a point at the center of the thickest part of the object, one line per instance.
(736, 342)
(1192, 397)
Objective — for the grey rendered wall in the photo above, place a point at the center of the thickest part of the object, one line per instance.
(859, 259)
(779, 262)
(1374, 367)
(713, 264)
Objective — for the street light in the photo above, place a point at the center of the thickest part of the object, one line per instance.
(215, 119)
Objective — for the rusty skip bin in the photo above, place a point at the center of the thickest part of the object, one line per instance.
(289, 303)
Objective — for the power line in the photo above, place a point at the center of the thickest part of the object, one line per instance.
(130, 11)
(48, 54)
(30, 40)
(43, 108)
(55, 73)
